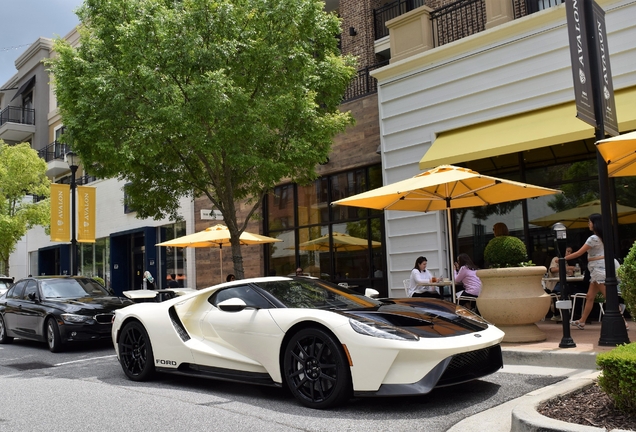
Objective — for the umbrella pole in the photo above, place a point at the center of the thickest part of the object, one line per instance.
(221, 260)
(450, 246)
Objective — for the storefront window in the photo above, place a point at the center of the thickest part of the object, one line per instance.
(336, 243)
(173, 259)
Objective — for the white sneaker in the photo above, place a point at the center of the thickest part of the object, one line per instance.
(556, 318)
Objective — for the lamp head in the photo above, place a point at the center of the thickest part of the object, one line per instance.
(72, 160)
(560, 231)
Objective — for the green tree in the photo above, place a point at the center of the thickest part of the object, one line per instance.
(216, 98)
(22, 177)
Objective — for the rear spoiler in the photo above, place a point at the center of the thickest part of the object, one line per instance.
(149, 295)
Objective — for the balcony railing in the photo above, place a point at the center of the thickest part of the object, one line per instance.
(363, 83)
(458, 20)
(17, 115)
(455, 20)
(55, 150)
(390, 11)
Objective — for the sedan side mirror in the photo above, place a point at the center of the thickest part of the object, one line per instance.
(370, 292)
(232, 305)
(33, 297)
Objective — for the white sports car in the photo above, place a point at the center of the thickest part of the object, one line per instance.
(324, 342)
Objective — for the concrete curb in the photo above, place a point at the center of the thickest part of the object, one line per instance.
(525, 417)
(547, 358)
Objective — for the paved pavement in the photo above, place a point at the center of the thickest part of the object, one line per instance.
(577, 365)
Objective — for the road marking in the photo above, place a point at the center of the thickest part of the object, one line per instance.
(84, 360)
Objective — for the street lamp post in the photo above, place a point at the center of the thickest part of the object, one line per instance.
(72, 160)
(564, 305)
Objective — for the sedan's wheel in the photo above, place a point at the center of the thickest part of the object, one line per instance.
(53, 338)
(316, 369)
(135, 352)
(3, 332)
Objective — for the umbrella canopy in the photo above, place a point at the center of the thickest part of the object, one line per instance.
(577, 217)
(341, 242)
(216, 236)
(444, 188)
(620, 154)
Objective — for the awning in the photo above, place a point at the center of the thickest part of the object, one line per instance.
(535, 129)
(24, 87)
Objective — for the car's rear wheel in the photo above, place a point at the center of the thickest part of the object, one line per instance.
(135, 352)
(316, 369)
(53, 338)
(3, 332)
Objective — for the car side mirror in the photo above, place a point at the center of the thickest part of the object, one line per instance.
(234, 304)
(33, 296)
(370, 292)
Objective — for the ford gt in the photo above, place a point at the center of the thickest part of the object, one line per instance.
(324, 342)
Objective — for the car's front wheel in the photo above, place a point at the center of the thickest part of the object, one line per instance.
(135, 352)
(3, 332)
(53, 338)
(316, 369)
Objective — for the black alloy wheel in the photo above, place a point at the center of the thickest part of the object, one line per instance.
(135, 352)
(53, 338)
(316, 370)
(3, 332)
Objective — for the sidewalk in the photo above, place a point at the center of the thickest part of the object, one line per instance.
(577, 365)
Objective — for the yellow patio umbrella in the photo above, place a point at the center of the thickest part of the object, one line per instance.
(445, 187)
(577, 217)
(620, 154)
(216, 236)
(342, 242)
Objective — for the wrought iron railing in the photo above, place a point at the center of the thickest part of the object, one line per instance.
(363, 83)
(17, 115)
(458, 20)
(55, 150)
(390, 11)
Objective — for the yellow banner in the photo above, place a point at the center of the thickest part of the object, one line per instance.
(60, 212)
(85, 214)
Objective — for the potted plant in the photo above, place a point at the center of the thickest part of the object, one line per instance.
(627, 276)
(512, 296)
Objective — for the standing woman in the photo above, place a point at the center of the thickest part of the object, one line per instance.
(595, 265)
(419, 278)
(465, 272)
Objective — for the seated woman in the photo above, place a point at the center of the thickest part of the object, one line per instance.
(419, 278)
(465, 273)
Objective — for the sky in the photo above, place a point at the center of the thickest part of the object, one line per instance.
(24, 21)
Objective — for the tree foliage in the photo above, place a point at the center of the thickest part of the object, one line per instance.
(22, 175)
(222, 98)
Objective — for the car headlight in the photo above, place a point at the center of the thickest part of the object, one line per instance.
(466, 313)
(76, 319)
(381, 330)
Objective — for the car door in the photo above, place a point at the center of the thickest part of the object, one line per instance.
(29, 322)
(250, 332)
(13, 306)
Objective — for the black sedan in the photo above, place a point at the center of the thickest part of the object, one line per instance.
(58, 310)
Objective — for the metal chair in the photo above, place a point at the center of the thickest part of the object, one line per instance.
(582, 297)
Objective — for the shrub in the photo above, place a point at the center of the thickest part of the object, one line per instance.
(100, 280)
(627, 274)
(505, 251)
(618, 376)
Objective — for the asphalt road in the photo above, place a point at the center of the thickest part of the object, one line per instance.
(84, 389)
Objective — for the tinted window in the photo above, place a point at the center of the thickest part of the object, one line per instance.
(72, 288)
(312, 293)
(246, 293)
(31, 288)
(17, 290)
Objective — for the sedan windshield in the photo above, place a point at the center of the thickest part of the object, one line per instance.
(316, 294)
(72, 288)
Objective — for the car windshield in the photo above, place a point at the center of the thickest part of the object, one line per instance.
(316, 294)
(72, 288)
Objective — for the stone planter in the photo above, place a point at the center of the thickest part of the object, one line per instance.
(514, 300)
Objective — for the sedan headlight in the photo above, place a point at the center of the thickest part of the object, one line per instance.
(76, 319)
(381, 330)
